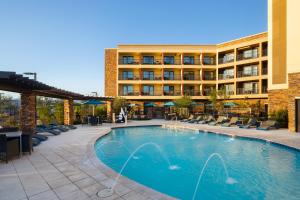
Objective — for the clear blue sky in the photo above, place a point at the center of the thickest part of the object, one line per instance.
(64, 40)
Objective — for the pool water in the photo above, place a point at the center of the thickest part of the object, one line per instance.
(171, 161)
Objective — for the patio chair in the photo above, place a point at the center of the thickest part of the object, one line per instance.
(233, 121)
(188, 119)
(206, 120)
(220, 120)
(267, 125)
(43, 129)
(252, 122)
(35, 142)
(9, 148)
(40, 137)
(199, 118)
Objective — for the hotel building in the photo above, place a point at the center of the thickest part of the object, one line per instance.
(253, 68)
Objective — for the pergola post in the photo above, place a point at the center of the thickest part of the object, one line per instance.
(28, 113)
(68, 112)
(109, 110)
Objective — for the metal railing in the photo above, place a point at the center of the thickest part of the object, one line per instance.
(247, 91)
(243, 57)
(172, 78)
(154, 62)
(207, 92)
(264, 71)
(223, 60)
(192, 93)
(172, 62)
(192, 62)
(209, 61)
(155, 78)
(129, 62)
(190, 77)
(172, 93)
(225, 76)
(243, 74)
(121, 77)
(209, 78)
(134, 93)
(154, 93)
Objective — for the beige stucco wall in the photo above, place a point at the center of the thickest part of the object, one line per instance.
(293, 36)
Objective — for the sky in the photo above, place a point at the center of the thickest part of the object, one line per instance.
(63, 41)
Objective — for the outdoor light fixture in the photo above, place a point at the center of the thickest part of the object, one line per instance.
(31, 74)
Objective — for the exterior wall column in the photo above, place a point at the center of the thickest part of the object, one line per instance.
(68, 112)
(28, 113)
(109, 110)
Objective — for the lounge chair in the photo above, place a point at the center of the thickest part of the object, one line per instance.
(252, 122)
(220, 120)
(206, 120)
(199, 118)
(233, 121)
(267, 125)
(188, 119)
(43, 128)
(35, 142)
(40, 137)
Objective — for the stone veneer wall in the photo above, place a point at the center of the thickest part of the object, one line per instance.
(68, 112)
(293, 91)
(28, 113)
(278, 99)
(111, 72)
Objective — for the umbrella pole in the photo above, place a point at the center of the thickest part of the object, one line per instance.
(93, 110)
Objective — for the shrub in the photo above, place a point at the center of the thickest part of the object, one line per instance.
(281, 116)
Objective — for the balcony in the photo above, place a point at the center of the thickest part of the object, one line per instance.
(190, 78)
(129, 61)
(172, 78)
(225, 76)
(172, 93)
(191, 61)
(123, 78)
(152, 93)
(248, 54)
(209, 61)
(264, 71)
(156, 78)
(192, 93)
(264, 89)
(152, 62)
(172, 61)
(209, 78)
(241, 91)
(207, 92)
(133, 93)
(241, 74)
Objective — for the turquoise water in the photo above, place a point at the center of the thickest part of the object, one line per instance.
(170, 161)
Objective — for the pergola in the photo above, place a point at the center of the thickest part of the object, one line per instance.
(29, 89)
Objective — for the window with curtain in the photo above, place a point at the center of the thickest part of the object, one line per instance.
(168, 60)
(149, 60)
(148, 75)
(168, 75)
(148, 90)
(128, 60)
(188, 60)
(127, 75)
(127, 90)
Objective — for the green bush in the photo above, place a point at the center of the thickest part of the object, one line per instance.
(281, 116)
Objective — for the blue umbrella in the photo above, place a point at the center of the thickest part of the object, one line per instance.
(150, 104)
(230, 104)
(170, 103)
(93, 102)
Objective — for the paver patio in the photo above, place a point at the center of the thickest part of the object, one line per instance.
(66, 167)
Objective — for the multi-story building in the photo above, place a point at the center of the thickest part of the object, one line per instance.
(165, 72)
(264, 67)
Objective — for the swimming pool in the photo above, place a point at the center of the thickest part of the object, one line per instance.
(190, 164)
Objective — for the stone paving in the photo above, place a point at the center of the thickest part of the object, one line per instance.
(66, 167)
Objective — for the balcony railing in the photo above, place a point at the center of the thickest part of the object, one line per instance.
(265, 52)
(129, 62)
(129, 78)
(190, 77)
(209, 61)
(156, 78)
(225, 76)
(153, 93)
(241, 74)
(243, 57)
(172, 62)
(192, 93)
(209, 78)
(172, 78)
(264, 89)
(264, 71)
(172, 93)
(135, 93)
(224, 60)
(247, 91)
(192, 62)
(207, 92)
(153, 62)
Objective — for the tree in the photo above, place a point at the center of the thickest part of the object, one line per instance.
(183, 102)
(213, 97)
(118, 103)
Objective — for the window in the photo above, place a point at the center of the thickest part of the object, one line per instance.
(251, 53)
(250, 87)
(168, 90)
(251, 70)
(228, 57)
(148, 75)
(168, 60)
(127, 90)
(208, 60)
(188, 75)
(127, 75)
(188, 60)
(228, 73)
(168, 75)
(148, 60)
(229, 89)
(148, 90)
(189, 90)
(128, 60)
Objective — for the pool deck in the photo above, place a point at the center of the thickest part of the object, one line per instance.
(66, 167)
